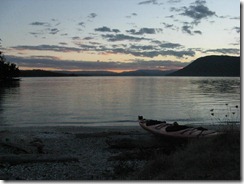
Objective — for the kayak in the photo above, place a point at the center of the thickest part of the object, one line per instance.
(174, 130)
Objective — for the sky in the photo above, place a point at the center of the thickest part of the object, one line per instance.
(117, 35)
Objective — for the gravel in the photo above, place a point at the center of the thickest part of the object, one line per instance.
(87, 144)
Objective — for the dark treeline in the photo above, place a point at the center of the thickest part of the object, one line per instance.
(8, 71)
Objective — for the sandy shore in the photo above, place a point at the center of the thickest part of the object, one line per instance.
(71, 153)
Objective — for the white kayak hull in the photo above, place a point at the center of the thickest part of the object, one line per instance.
(175, 131)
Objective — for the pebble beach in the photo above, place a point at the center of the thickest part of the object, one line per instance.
(113, 153)
(67, 153)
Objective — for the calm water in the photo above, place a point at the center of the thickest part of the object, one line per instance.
(110, 101)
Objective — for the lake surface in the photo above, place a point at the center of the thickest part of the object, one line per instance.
(113, 101)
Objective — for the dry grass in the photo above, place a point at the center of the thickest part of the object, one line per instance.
(215, 158)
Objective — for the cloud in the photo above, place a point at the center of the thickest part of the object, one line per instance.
(161, 64)
(223, 17)
(115, 30)
(122, 37)
(64, 34)
(228, 17)
(144, 31)
(103, 29)
(188, 28)
(154, 2)
(131, 15)
(53, 31)
(87, 47)
(42, 33)
(88, 38)
(46, 28)
(170, 26)
(197, 11)
(106, 29)
(224, 51)
(39, 23)
(174, 9)
(235, 18)
(63, 43)
(56, 22)
(170, 16)
(153, 49)
(237, 29)
(174, 1)
(97, 44)
(179, 54)
(150, 52)
(81, 24)
(92, 15)
(44, 57)
(75, 38)
(142, 47)
(198, 32)
(54, 48)
(131, 31)
(55, 63)
(170, 45)
(36, 34)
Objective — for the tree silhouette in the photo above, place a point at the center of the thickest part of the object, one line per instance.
(8, 71)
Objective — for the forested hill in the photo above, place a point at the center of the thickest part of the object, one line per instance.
(41, 73)
(211, 66)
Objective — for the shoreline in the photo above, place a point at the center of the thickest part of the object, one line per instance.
(70, 129)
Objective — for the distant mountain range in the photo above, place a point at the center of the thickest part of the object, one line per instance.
(41, 73)
(204, 66)
(211, 66)
(44, 73)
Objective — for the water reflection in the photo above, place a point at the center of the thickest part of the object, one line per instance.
(7, 89)
(220, 96)
(213, 85)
